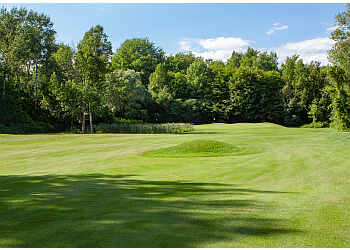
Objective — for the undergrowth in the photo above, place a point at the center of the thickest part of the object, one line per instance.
(144, 128)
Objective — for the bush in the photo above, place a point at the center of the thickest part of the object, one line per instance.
(316, 125)
(27, 128)
(126, 121)
(147, 128)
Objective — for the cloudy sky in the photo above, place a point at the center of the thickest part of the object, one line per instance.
(210, 30)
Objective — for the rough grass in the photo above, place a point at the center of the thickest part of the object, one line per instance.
(144, 128)
(65, 190)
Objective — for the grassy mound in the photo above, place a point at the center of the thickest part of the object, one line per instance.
(197, 148)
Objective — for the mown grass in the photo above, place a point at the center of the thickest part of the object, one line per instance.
(64, 190)
(198, 148)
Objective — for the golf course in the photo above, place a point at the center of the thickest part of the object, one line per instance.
(219, 186)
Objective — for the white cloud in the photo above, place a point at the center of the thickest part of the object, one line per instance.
(331, 29)
(309, 50)
(219, 48)
(273, 29)
(185, 44)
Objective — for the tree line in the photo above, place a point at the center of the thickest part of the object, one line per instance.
(49, 86)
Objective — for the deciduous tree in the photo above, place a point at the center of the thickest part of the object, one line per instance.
(92, 59)
(140, 55)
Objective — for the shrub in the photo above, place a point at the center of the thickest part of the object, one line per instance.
(316, 125)
(146, 128)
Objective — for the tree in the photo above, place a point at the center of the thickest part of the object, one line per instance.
(219, 94)
(271, 104)
(235, 60)
(125, 96)
(10, 23)
(60, 95)
(304, 93)
(160, 88)
(255, 95)
(179, 62)
(64, 68)
(267, 61)
(339, 55)
(197, 76)
(92, 59)
(34, 43)
(26, 44)
(340, 99)
(293, 113)
(249, 58)
(140, 55)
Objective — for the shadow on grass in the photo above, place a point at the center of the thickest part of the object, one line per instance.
(99, 210)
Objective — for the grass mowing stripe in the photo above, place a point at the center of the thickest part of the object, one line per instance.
(100, 191)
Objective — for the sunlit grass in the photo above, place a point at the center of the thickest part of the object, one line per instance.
(70, 190)
(198, 148)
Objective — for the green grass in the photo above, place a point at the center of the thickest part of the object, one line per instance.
(198, 148)
(66, 190)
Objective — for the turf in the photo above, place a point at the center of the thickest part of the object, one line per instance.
(64, 190)
(198, 148)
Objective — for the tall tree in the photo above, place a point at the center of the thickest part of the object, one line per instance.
(340, 73)
(249, 58)
(92, 59)
(64, 58)
(219, 94)
(197, 76)
(27, 40)
(235, 60)
(340, 54)
(10, 23)
(179, 62)
(255, 95)
(160, 88)
(125, 96)
(340, 98)
(140, 55)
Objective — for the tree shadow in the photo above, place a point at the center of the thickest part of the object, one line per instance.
(98, 210)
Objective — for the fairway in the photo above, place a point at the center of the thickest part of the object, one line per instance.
(290, 188)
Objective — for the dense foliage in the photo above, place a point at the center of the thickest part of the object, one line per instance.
(46, 86)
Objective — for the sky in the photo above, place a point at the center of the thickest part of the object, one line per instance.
(210, 30)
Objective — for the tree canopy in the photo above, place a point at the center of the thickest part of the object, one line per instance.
(48, 86)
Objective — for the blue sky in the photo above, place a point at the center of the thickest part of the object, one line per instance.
(210, 30)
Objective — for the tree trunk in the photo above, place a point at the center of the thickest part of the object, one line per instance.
(90, 113)
(36, 83)
(28, 76)
(19, 87)
(3, 96)
(83, 124)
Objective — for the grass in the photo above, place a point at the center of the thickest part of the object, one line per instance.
(198, 148)
(69, 190)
